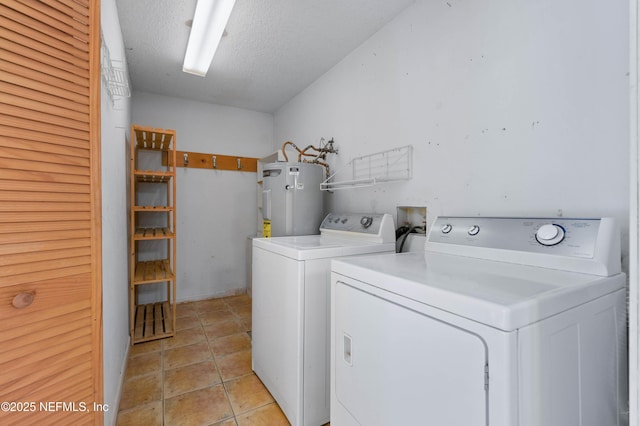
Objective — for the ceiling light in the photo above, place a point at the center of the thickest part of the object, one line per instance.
(209, 22)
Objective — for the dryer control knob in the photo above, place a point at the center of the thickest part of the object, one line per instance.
(473, 230)
(550, 234)
(446, 229)
(366, 221)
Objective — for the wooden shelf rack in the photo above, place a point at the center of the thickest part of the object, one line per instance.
(149, 176)
(154, 321)
(153, 208)
(155, 148)
(153, 233)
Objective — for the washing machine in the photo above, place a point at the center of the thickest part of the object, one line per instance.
(290, 309)
(500, 322)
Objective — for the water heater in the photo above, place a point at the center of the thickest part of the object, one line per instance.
(292, 199)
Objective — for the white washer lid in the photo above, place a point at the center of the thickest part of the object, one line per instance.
(502, 295)
(307, 247)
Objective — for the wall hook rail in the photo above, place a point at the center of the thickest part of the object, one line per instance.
(215, 161)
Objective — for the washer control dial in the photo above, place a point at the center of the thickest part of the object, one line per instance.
(366, 221)
(550, 234)
(473, 230)
(446, 228)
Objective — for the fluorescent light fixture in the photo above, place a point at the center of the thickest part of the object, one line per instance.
(209, 21)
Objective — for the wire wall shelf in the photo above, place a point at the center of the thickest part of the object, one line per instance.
(368, 170)
(114, 78)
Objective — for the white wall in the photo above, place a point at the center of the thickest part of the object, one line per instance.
(115, 278)
(634, 219)
(513, 108)
(216, 210)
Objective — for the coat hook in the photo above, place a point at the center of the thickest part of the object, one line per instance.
(185, 159)
(239, 164)
(213, 161)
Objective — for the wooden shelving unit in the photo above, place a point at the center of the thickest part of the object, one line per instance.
(152, 223)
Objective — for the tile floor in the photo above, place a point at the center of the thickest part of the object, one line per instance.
(201, 376)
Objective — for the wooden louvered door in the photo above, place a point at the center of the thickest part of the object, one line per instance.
(50, 265)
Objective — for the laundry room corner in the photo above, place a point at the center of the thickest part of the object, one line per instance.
(215, 208)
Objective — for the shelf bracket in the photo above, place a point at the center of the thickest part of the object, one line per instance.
(368, 170)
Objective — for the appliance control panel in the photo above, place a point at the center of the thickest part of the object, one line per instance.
(558, 243)
(376, 225)
(571, 237)
(353, 222)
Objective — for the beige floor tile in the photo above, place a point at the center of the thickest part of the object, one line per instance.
(202, 407)
(189, 378)
(230, 344)
(185, 355)
(186, 310)
(145, 363)
(210, 317)
(242, 310)
(269, 415)
(148, 415)
(228, 422)
(239, 300)
(244, 317)
(141, 390)
(207, 372)
(234, 365)
(247, 393)
(185, 337)
(210, 305)
(143, 348)
(223, 328)
(184, 323)
(246, 324)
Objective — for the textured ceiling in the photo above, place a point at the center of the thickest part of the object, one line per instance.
(272, 50)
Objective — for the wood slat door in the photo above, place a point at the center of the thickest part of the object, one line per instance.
(50, 243)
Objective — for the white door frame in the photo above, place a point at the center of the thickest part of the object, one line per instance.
(634, 217)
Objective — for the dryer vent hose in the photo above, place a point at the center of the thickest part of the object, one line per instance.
(403, 232)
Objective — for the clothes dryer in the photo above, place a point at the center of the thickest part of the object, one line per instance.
(501, 322)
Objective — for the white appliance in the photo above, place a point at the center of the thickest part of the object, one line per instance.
(501, 322)
(291, 198)
(291, 299)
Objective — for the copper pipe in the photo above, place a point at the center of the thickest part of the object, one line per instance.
(321, 154)
(284, 145)
(302, 153)
(325, 165)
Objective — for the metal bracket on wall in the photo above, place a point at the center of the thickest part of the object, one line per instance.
(215, 161)
(115, 78)
(373, 169)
